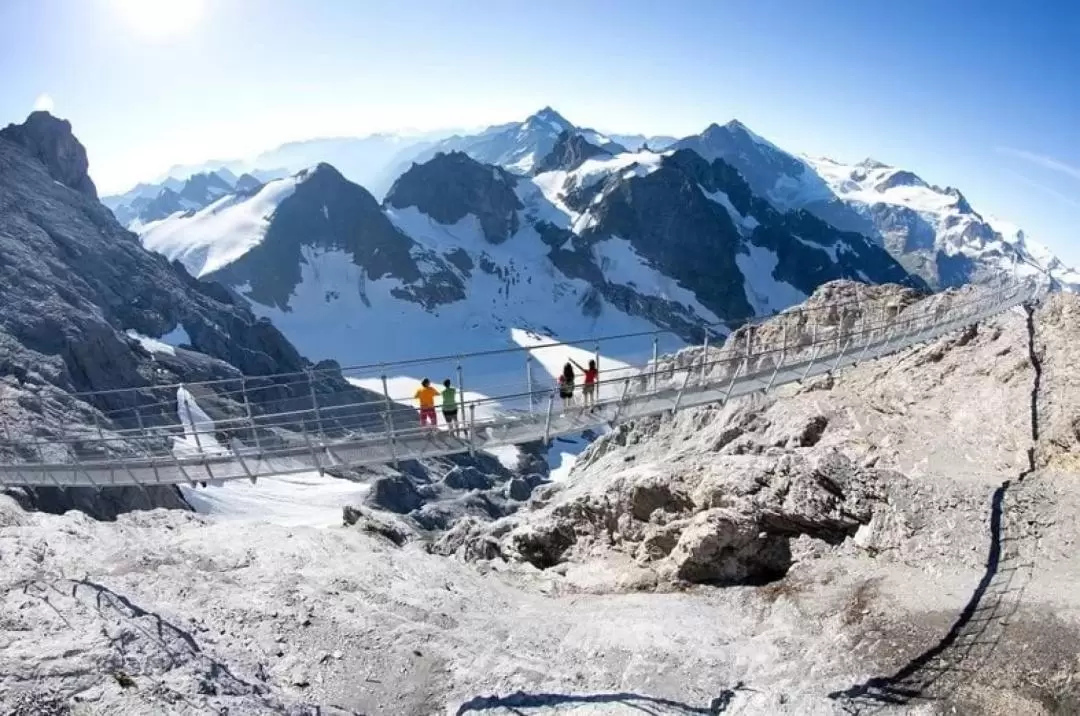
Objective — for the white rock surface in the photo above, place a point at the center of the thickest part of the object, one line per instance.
(897, 462)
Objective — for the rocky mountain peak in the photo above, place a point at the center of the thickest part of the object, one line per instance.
(201, 188)
(870, 164)
(552, 119)
(247, 182)
(454, 185)
(962, 204)
(51, 141)
(900, 178)
(570, 151)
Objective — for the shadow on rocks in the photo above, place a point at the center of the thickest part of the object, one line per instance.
(518, 701)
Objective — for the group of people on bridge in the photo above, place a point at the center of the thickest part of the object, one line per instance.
(426, 394)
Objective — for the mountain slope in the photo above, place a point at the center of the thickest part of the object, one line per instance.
(519, 146)
(933, 232)
(208, 239)
(81, 301)
(147, 203)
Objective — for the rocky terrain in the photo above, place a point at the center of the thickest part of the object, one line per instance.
(899, 537)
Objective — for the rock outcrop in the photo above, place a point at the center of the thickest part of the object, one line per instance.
(50, 141)
(570, 151)
(452, 186)
(75, 287)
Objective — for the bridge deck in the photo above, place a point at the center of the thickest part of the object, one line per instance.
(642, 395)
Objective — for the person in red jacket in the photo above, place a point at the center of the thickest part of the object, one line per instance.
(592, 379)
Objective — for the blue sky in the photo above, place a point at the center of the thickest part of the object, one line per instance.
(979, 95)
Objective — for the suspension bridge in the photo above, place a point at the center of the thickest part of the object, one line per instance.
(166, 435)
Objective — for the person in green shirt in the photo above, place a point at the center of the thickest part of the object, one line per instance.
(450, 406)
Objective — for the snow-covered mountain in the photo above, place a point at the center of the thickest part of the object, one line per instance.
(518, 146)
(464, 256)
(148, 203)
(933, 232)
(367, 160)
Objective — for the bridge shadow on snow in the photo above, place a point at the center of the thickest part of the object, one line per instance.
(521, 703)
(974, 635)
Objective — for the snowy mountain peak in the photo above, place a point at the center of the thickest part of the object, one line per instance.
(569, 152)
(869, 164)
(934, 232)
(900, 178)
(454, 185)
(550, 119)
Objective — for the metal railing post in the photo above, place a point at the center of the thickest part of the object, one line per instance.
(78, 463)
(678, 397)
(529, 379)
(705, 359)
(749, 348)
(840, 357)
(310, 446)
(248, 414)
(41, 459)
(142, 432)
(389, 417)
(472, 429)
(461, 397)
(547, 420)
(655, 361)
(315, 401)
(11, 445)
(195, 432)
(866, 332)
(780, 360)
(813, 357)
(622, 401)
(104, 443)
(734, 377)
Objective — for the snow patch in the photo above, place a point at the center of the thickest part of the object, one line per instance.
(746, 224)
(153, 345)
(766, 294)
(212, 238)
(622, 265)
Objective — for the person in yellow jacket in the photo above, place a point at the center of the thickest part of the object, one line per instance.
(426, 395)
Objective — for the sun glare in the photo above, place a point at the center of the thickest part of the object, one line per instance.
(160, 20)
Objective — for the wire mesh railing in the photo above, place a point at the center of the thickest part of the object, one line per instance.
(246, 427)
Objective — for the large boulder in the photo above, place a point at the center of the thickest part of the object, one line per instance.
(394, 493)
(724, 546)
